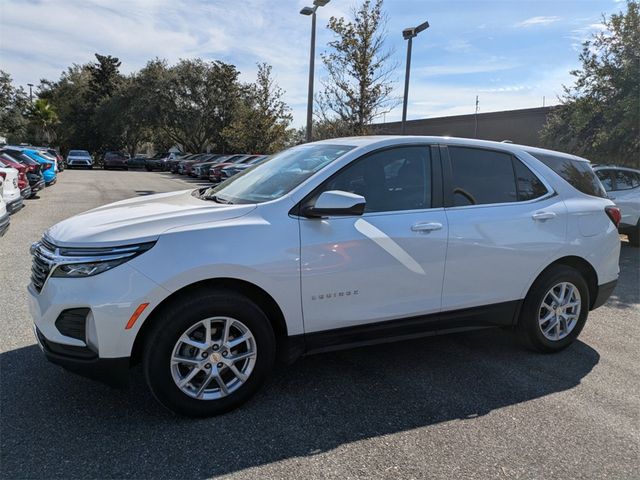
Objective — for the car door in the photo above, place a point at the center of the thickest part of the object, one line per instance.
(504, 226)
(626, 194)
(387, 263)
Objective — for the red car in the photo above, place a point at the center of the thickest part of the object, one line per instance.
(115, 160)
(215, 173)
(23, 182)
(33, 173)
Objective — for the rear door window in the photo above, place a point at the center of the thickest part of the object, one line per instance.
(481, 177)
(605, 178)
(578, 173)
(625, 180)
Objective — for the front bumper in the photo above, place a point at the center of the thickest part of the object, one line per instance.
(15, 205)
(111, 298)
(5, 220)
(112, 371)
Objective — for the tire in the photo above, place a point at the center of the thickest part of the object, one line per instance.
(634, 236)
(530, 329)
(171, 326)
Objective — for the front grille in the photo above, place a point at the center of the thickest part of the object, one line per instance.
(42, 263)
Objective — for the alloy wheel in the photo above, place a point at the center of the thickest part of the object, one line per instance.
(213, 358)
(559, 311)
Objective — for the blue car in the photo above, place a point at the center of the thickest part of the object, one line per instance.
(48, 167)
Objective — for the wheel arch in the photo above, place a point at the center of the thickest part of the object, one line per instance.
(263, 299)
(580, 264)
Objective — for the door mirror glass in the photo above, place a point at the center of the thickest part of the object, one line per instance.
(335, 203)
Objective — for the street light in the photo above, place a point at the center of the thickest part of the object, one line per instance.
(30, 85)
(408, 34)
(312, 56)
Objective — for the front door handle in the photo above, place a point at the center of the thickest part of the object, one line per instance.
(541, 216)
(426, 226)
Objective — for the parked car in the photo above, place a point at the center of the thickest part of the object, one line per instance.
(372, 238)
(5, 221)
(236, 168)
(159, 161)
(190, 169)
(139, 161)
(34, 176)
(184, 166)
(115, 160)
(623, 187)
(79, 158)
(23, 182)
(172, 165)
(59, 159)
(47, 166)
(215, 172)
(10, 189)
(201, 170)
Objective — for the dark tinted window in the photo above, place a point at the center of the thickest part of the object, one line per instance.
(578, 173)
(529, 186)
(394, 179)
(605, 178)
(481, 177)
(625, 180)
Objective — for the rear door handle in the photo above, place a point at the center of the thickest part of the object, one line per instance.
(541, 216)
(426, 226)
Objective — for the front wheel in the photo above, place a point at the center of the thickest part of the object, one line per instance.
(555, 310)
(208, 353)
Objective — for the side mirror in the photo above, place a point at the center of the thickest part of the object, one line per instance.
(335, 203)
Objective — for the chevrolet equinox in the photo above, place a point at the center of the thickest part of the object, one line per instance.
(338, 243)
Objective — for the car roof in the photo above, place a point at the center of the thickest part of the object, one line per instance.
(615, 167)
(384, 140)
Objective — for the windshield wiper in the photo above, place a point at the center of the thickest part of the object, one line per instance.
(218, 199)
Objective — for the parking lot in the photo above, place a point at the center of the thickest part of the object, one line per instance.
(471, 405)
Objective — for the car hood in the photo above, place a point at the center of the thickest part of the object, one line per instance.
(140, 219)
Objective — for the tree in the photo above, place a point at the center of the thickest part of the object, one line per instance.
(600, 114)
(43, 117)
(197, 101)
(13, 107)
(359, 87)
(262, 117)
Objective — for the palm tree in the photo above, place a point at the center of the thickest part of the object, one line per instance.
(44, 117)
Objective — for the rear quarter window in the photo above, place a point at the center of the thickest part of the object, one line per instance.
(577, 173)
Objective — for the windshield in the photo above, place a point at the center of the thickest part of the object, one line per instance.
(278, 176)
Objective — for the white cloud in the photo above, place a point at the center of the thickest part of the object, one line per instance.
(537, 21)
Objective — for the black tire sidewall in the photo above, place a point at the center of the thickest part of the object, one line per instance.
(528, 325)
(175, 320)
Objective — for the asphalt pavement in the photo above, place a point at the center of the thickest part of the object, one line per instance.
(472, 405)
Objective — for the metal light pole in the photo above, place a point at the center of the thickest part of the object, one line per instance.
(312, 57)
(408, 34)
(30, 85)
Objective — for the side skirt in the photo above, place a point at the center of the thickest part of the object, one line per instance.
(498, 314)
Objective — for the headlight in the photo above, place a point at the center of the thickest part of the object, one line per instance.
(86, 262)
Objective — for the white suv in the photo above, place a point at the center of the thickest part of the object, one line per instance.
(337, 243)
(623, 187)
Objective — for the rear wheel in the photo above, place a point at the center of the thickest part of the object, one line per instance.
(208, 353)
(555, 310)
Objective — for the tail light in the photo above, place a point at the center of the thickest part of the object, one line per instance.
(614, 214)
(47, 166)
(3, 175)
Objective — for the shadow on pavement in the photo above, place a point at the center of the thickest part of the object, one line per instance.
(55, 424)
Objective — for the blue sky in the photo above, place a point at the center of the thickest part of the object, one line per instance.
(511, 53)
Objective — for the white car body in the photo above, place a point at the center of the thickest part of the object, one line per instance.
(79, 158)
(327, 274)
(11, 192)
(623, 187)
(4, 215)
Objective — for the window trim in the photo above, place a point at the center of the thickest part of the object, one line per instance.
(436, 182)
(448, 179)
